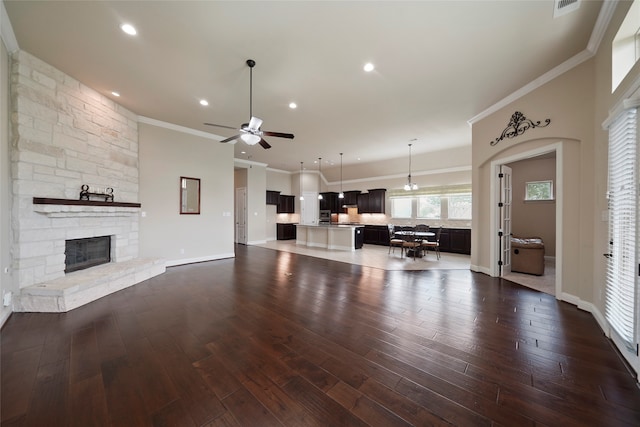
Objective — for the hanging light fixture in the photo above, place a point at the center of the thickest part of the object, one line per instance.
(319, 177)
(341, 194)
(301, 196)
(410, 185)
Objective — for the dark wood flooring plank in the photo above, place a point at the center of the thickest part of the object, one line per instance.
(85, 356)
(88, 403)
(124, 402)
(19, 371)
(50, 395)
(248, 410)
(172, 415)
(320, 405)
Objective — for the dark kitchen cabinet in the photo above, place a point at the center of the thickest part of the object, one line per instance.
(460, 241)
(285, 231)
(372, 202)
(273, 197)
(350, 198)
(363, 203)
(376, 235)
(455, 240)
(330, 202)
(286, 204)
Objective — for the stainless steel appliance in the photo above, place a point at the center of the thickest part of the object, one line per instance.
(325, 217)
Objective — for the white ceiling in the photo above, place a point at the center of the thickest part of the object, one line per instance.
(438, 64)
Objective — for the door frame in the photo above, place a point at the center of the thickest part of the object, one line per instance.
(494, 213)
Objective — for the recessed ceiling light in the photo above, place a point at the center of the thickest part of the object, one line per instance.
(114, 93)
(368, 67)
(129, 29)
(243, 152)
(204, 102)
(293, 105)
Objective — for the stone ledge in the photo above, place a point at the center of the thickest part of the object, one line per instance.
(82, 287)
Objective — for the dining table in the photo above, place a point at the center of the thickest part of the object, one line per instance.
(417, 234)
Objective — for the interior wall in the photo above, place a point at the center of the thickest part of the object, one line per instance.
(568, 101)
(534, 218)
(165, 156)
(7, 284)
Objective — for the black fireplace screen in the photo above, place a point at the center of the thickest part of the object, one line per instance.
(85, 253)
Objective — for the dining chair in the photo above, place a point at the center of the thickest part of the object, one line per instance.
(394, 242)
(435, 244)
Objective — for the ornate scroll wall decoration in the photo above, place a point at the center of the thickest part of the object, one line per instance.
(518, 125)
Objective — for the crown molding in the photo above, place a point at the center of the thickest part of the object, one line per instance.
(178, 128)
(247, 163)
(599, 29)
(6, 31)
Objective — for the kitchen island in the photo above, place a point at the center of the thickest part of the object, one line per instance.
(338, 237)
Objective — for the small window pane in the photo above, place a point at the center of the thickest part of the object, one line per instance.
(539, 190)
(429, 207)
(401, 208)
(460, 206)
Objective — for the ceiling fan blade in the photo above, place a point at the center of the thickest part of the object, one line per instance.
(264, 144)
(278, 134)
(231, 138)
(220, 126)
(255, 123)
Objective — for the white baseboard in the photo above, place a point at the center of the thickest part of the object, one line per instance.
(174, 262)
(4, 315)
(257, 242)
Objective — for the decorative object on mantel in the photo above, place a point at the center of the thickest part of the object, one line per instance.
(517, 126)
(103, 193)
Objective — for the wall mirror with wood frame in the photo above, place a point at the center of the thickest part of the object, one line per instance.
(189, 196)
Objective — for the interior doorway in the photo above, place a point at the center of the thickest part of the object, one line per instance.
(528, 224)
(241, 216)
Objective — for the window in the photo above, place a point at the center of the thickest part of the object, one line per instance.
(539, 190)
(401, 207)
(624, 48)
(430, 207)
(459, 206)
(622, 291)
(450, 202)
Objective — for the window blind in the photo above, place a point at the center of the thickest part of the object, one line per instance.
(623, 199)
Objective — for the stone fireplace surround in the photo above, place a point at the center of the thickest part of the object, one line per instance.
(62, 219)
(64, 135)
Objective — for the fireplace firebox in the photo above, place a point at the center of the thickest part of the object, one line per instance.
(88, 252)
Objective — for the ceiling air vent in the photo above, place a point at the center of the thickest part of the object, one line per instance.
(562, 7)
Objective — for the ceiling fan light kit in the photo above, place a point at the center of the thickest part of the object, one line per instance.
(250, 132)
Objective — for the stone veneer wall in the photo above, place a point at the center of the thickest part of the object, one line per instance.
(65, 134)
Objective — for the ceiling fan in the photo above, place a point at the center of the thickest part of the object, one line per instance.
(251, 132)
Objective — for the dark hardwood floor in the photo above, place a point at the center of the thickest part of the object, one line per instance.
(274, 338)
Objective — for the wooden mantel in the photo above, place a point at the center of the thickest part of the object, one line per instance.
(75, 202)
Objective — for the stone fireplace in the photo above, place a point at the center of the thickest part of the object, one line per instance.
(65, 135)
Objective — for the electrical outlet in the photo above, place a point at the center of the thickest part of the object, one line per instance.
(181, 251)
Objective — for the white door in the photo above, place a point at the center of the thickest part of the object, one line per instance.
(309, 209)
(241, 215)
(504, 229)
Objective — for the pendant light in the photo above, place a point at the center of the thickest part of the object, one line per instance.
(301, 196)
(341, 194)
(410, 185)
(319, 177)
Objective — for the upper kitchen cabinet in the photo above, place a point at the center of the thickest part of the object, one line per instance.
(286, 204)
(330, 202)
(350, 198)
(373, 201)
(273, 197)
